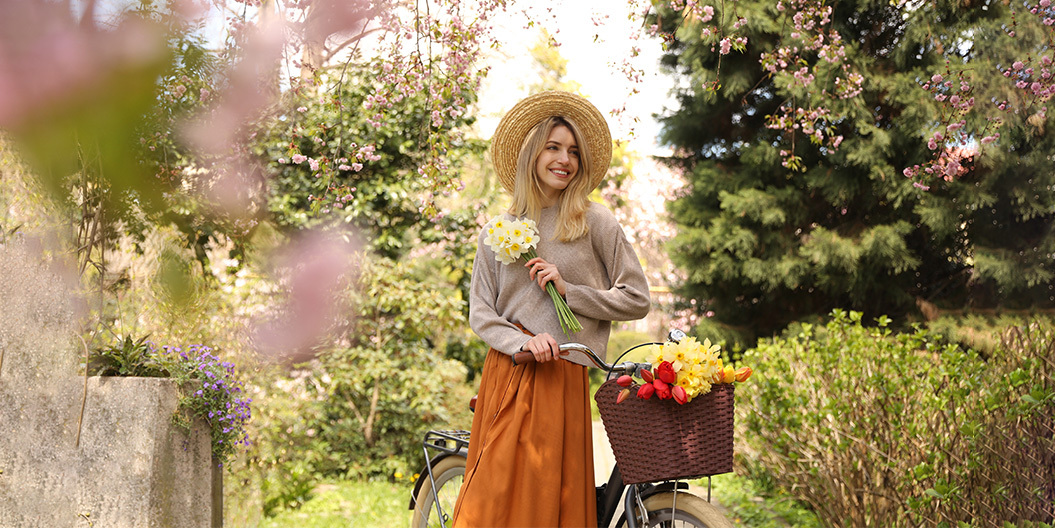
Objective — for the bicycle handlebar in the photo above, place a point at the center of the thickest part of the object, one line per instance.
(582, 355)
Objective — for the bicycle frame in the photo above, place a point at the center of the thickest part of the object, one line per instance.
(608, 494)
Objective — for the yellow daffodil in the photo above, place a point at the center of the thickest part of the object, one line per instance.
(697, 365)
(511, 239)
(655, 354)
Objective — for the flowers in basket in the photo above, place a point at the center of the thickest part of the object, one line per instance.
(682, 371)
(511, 239)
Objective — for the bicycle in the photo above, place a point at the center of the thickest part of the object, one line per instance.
(650, 504)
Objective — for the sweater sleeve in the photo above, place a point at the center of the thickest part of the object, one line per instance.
(496, 331)
(627, 299)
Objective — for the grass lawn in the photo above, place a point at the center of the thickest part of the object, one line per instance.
(343, 504)
(384, 505)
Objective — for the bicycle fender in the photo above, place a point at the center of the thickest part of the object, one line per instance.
(662, 487)
(423, 475)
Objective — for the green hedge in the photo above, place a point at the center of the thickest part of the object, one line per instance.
(876, 428)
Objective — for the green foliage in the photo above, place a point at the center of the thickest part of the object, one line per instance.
(383, 198)
(388, 381)
(364, 405)
(128, 357)
(287, 448)
(983, 332)
(875, 428)
(763, 245)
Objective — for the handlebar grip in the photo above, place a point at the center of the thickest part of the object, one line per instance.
(523, 357)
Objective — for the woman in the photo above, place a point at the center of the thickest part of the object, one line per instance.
(530, 459)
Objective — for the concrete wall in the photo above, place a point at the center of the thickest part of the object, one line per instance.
(132, 468)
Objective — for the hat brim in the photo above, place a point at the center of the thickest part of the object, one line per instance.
(515, 125)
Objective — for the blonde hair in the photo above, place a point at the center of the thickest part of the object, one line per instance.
(527, 190)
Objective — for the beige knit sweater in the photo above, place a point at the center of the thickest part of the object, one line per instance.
(604, 280)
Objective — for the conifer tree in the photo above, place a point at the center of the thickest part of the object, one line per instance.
(765, 242)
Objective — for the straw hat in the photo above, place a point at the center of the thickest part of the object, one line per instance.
(515, 125)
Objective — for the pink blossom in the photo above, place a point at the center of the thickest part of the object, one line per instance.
(952, 168)
(316, 268)
(1017, 65)
(936, 78)
(299, 158)
(48, 57)
(313, 163)
(726, 46)
(989, 139)
(218, 128)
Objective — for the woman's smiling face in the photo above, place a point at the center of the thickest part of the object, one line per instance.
(558, 163)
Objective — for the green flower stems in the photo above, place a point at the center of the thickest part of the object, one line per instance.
(568, 323)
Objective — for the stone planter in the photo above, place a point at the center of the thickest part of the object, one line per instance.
(133, 467)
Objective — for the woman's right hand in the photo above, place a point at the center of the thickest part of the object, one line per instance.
(543, 347)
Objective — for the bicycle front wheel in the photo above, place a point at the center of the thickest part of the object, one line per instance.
(665, 510)
(449, 474)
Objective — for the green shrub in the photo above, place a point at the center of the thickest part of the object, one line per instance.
(361, 408)
(983, 332)
(873, 428)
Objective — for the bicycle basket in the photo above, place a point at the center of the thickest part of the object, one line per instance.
(657, 439)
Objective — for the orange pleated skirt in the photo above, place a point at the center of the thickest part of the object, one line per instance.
(530, 459)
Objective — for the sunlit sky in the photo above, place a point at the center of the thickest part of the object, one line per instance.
(593, 37)
(595, 64)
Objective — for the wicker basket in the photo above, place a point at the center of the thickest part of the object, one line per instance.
(657, 439)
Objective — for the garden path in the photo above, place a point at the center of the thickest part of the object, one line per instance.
(603, 459)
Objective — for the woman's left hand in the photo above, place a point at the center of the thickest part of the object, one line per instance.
(542, 272)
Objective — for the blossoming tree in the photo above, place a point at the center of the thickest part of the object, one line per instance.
(797, 159)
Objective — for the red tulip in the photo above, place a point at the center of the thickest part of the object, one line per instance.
(662, 389)
(679, 394)
(624, 380)
(743, 373)
(647, 376)
(645, 392)
(622, 395)
(665, 372)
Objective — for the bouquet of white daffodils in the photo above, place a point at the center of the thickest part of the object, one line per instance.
(512, 239)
